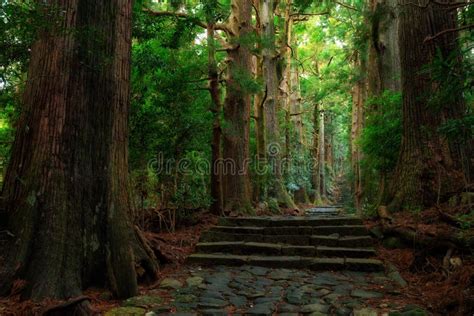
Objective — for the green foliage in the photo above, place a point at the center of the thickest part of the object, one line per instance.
(459, 130)
(381, 137)
(273, 206)
(19, 21)
(245, 81)
(466, 220)
(170, 115)
(192, 190)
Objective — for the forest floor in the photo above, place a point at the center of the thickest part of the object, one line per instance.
(432, 285)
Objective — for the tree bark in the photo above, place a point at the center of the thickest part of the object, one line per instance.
(384, 58)
(356, 130)
(285, 82)
(237, 195)
(296, 119)
(260, 193)
(217, 206)
(425, 171)
(276, 188)
(316, 173)
(383, 65)
(322, 155)
(65, 190)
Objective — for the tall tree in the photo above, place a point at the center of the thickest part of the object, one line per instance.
(217, 206)
(383, 57)
(272, 131)
(315, 154)
(65, 190)
(322, 154)
(358, 100)
(383, 63)
(237, 196)
(260, 192)
(426, 171)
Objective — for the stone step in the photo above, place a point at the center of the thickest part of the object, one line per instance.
(333, 240)
(342, 230)
(323, 251)
(272, 249)
(288, 221)
(320, 264)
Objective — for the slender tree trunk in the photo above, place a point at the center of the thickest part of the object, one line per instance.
(359, 95)
(356, 130)
(295, 100)
(276, 188)
(217, 206)
(285, 82)
(425, 171)
(322, 155)
(237, 195)
(301, 196)
(315, 155)
(65, 191)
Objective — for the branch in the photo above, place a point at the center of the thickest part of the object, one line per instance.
(177, 15)
(198, 80)
(222, 27)
(228, 48)
(310, 14)
(195, 20)
(449, 6)
(301, 113)
(465, 27)
(346, 6)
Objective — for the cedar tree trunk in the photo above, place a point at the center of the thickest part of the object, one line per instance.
(276, 187)
(237, 195)
(66, 188)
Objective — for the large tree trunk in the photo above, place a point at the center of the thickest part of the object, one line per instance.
(384, 57)
(383, 65)
(65, 191)
(259, 192)
(237, 195)
(217, 206)
(425, 171)
(285, 80)
(276, 188)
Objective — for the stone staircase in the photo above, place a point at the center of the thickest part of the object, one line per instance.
(324, 240)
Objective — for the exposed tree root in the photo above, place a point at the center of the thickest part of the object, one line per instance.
(79, 306)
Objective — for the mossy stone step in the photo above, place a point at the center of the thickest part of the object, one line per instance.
(323, 251)
(333, 240)
(342, 230)
(288, 221)
(272, 249)
(320, 264)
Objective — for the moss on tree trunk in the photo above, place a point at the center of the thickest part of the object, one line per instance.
(65, 190)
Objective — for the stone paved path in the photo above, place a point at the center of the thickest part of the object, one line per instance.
(248, 285)
(250, 290)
